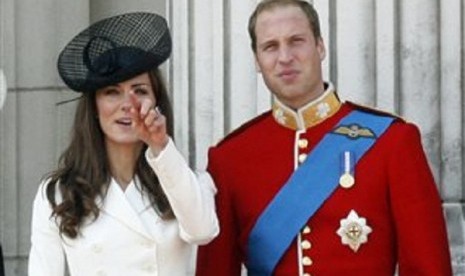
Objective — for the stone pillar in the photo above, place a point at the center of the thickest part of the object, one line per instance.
(32, 128)
(356, 78)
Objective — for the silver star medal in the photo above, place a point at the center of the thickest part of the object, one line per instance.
(354, 231)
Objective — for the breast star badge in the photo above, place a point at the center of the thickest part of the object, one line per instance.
(354, 231)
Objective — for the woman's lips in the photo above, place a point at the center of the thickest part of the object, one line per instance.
(124, 121)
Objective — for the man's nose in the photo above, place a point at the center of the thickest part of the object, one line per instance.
(285, 55)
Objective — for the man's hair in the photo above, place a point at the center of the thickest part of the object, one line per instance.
(267, 5)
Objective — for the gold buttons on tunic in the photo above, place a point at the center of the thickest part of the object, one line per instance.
(302, 157)
(306, 261)
(306, 244)
(302, 143)
(306, 230)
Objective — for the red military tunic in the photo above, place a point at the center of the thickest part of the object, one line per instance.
(394, 191)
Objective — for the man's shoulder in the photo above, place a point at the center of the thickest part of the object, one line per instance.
(400, 127)
(241, 132)
(375, 111)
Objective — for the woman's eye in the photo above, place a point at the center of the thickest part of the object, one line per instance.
(111, 92)
(141, 91)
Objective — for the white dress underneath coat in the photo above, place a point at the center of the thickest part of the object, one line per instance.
(129, 238)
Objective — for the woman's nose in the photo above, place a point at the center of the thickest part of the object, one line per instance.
(126, 102)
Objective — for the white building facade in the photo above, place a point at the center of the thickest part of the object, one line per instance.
(406, 57)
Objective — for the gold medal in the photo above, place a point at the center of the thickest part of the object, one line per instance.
(346, 180)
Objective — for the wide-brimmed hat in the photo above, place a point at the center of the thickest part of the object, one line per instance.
(113, 50)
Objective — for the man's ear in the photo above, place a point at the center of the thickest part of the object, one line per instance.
(257, 65)
(320, 46)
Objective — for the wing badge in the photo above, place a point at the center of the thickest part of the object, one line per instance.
(354, 131)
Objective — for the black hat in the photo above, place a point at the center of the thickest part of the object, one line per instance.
(113, 50)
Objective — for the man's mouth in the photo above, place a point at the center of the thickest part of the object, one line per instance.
(288, 74)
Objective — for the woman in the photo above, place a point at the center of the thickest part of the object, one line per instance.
(123, 201)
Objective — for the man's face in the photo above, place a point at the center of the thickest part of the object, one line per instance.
(289, 56)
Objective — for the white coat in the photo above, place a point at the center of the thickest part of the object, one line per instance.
(128, 237)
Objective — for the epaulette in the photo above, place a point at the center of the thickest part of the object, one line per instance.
(244, 127)
(373, 110)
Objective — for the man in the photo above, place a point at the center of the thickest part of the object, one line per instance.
(316, 186)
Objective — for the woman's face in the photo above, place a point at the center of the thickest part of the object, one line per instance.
(114, 105)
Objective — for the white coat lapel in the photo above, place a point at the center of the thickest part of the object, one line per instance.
(116, 205)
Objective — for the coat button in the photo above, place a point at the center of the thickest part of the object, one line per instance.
(96, 248)
(302, 143)
(306, 244)
(306, 261)
(302, 157)
(101, 273)
(147, 244)
(306, 230)
(150, 268)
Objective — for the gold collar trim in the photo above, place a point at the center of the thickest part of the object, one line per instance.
(309, 115)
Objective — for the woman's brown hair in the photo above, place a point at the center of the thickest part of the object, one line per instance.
(83, 172)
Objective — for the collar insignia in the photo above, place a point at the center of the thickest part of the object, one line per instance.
(280, 116)
(354, 131)
(309, 115)
(353, 231)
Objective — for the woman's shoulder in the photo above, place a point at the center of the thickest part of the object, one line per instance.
(47, 185)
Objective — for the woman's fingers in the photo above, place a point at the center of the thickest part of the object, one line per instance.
(149, 122)
(150, 118)
(140, 107)
(146, 105)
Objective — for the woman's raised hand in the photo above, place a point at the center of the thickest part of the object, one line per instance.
(149, 123)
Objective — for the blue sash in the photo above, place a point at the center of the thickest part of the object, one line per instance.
(307, 188)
